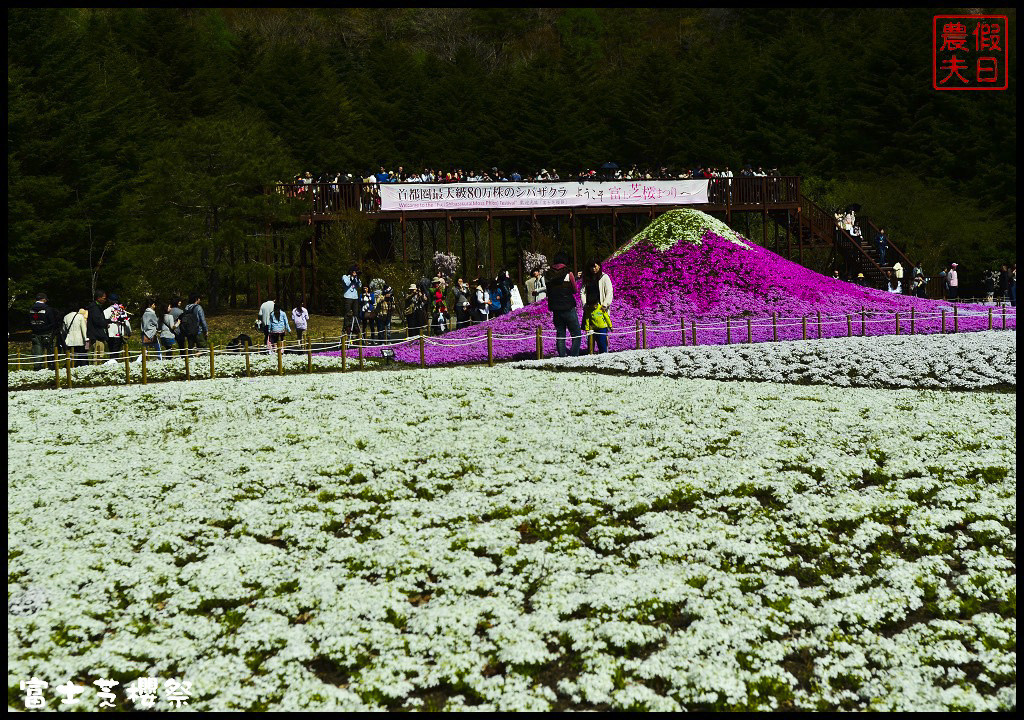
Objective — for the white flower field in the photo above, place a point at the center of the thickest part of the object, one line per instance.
(516, 539)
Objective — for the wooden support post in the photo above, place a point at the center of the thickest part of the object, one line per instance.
(693, 332)
(863, 322)
(56, 363)
(897, 323)
(1004, 317)
(572, 227)
(540, 345)
(360, 338)
(68, 358)
(490, 349)
(280, 358)
(309, 357)
(144, 365)
(911, 321)
(819, 324)
(643, 333)
(956, 324)
(728, 331)
(775, 326)
(344, 351)
(849, 326)
(803, 327)
(127, 367)
(213, 373)
(405, 250)
(943, 321)
(750, 335)
(637, 334)
(423, 351)
(590, 343)
(990, 318)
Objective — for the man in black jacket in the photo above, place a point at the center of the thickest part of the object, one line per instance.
(562, 291)
(42, 320)
(96, 324)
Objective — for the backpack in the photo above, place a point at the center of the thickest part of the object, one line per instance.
(39, 321)
(189, 321)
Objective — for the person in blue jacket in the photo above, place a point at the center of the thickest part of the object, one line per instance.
(278, 327)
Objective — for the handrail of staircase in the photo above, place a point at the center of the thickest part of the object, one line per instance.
(908, 266)
(825, 225)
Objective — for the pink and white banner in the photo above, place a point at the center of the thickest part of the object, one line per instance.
(482, 196)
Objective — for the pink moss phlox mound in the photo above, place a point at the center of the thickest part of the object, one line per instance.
(708, 283)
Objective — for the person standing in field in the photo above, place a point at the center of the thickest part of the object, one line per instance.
(953, 280)
(300, 316)
(74, 330)
(350, 298)
(150, 329)
(597, 301)
(97, 324)
(561, 285)
(278, 327)
(42, 320)
(192, 322)
(167, 328)
(176, 311)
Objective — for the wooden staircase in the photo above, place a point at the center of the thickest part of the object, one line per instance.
(817, 226)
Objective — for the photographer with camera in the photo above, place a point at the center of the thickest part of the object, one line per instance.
(351, 299)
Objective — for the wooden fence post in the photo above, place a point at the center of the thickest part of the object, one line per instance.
(212, 375)
(423, 352)
(803, 327)
(943, 321)
(775, 327)
(590, 343)
(849, 326)
(309, 357)
(819, 324)
(897, 323)
(127, 367)
(1004, 317)
(360, 338)
(750, 334)
(863, 322)
(280, 358)
(540, 345)
(693, 332)
(990, 318)
(956, 325)
(344, 352)
(68, 358)
(637, 334)
(56, 364)
(144, 364)
(911, 321)
(728, 332)
(490, 349)
(643, 333)
(682, 330)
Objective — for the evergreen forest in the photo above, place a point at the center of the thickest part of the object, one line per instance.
(140, 141)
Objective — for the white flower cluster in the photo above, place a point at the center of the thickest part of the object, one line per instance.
(965, 361)
(499, 539)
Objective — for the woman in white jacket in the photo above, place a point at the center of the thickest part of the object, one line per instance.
(75, 334)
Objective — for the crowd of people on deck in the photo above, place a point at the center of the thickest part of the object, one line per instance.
(607, 172)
